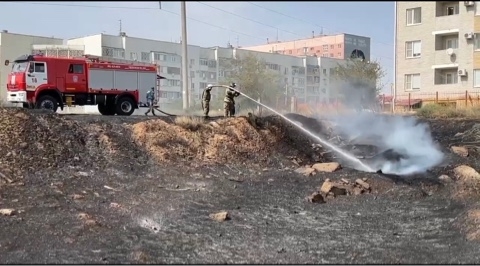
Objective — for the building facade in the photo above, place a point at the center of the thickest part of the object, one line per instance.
(437, 48)
(309, 78)
(12, 46)
(340, 46)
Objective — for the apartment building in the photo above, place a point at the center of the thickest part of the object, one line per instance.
(437, 47)
(340, 46)
(13, 45)
(308, 77)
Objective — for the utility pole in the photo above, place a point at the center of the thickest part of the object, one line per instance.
(184, 56)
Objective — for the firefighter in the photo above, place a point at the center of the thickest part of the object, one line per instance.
(206, 96)
(151, 101)
(229, 100)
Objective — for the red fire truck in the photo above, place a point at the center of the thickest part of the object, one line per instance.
(50, 82)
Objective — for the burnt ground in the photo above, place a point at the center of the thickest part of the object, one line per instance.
(129, 208)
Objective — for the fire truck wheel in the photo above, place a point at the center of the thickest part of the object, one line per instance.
(47, 102)
(106, 109)
(125, 106)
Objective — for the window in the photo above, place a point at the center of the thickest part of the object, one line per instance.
(332, 46)
(339, 45)
(118, 53)
(414, 16)
(75, 69)
(173, 58)
(451, 43)
(477, 8)
(476, 42)
(159, 57)
(311, 48)
(203, 84)
(212, 75)
(203, 62)
(450, 78)
(192, 62)
(325, 47)
(39, 67)
(413, 49)
(174, 71)
(325, 55)
(221, 73)
(212, 63)
(133, 56)
(476, 78)
(316, 79)
(174, 82)
(289, 51)
(145, 56)
(192, 86)
(339, 54)
(331, 55)
(324, 71)
(451, 10)
(192, 74)
(412, 82)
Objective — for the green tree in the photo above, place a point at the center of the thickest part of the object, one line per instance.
(253, 78)
(360, 82)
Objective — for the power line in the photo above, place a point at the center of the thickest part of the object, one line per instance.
(142, 8)
(245, 18)
(304, 21)
(171, 12)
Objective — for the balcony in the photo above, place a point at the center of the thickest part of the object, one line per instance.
(442, 58)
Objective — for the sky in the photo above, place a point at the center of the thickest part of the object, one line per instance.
(210, 23)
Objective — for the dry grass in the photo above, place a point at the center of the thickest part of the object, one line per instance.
(189, 122)
(441, 111)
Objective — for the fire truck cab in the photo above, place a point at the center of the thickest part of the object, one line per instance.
(51, 82)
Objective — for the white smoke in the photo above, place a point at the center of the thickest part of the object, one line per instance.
(404, 135)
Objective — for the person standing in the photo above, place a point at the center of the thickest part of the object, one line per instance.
(151, 101)
(206, 97)
(229, 100)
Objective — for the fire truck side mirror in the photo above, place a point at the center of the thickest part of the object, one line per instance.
(7, 62)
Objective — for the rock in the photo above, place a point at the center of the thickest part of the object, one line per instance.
(23, 145)
(465, 172)
(220, 216)
(91, 222)
(460, 150)
(445, 178)
(338, 191)
(362, 183)
(326, 167)
(114, 205)
(345, 181)
(316, 197)
(357, 191)
(7, 212)
(306, 171)
(84, 216)
(77, 197)
(326, 186)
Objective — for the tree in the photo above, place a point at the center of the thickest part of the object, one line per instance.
(253, 79)
(360, 82)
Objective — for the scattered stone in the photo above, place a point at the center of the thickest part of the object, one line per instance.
(91, 222)
(326, 167)
(362, 183)
(7, 212)
(445, 178)
(306, 171)
(84, 174)
(460, 150)
(77, 197)
(357, 191)
(220, 216)
(345, 181)
(465, 172)
(338, 191)
(83, 216)
(115, 205)
(326, 186)
(316, 197)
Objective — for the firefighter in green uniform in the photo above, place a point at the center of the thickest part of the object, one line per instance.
(151, 101)
(206, 97)
(229, 100)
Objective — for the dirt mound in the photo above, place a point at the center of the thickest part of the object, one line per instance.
(34, 141)
(232, 140)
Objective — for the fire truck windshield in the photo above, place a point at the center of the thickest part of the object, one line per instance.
(19, 67)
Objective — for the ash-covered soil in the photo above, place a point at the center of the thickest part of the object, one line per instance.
(93, 189)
